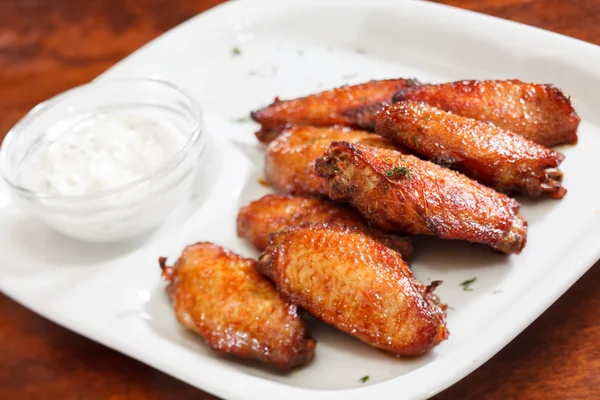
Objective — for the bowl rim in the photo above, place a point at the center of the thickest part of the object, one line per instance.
(195, 133)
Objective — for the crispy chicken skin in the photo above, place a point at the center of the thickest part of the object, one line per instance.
(219, 295)
(493, 156)
(540, 113)
(351, 281)
(289, 159)
(401, 192)
(272, 213)
(354, 106)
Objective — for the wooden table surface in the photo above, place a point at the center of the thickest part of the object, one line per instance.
(49, 46)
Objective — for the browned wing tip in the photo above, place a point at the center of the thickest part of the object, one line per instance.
(256, 115)
(552, 184)
(266, 134)
(572, 118)
(441, 332)
(515, 240)
(307, 353)
(555, 191)
(432, 286)
(167, 272)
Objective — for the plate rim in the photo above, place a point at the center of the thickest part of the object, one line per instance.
(588, 254)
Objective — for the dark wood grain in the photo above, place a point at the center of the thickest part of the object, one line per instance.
(49, 46)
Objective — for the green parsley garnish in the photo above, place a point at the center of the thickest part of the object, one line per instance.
(466, 285)
(416, 140)
(398, 171)
(236, 51)
(364, 378)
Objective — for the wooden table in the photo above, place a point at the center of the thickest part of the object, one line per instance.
(49, 46)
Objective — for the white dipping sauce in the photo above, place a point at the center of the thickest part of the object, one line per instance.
(98, 154)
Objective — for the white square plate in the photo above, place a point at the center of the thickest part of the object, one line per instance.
(114, 294)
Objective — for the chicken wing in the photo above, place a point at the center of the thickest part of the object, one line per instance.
(289, 160)
(495, 157)
(401, 192)
(351, 281)
(276, 213)
(221, 296)
(354, 106)
(540, 113)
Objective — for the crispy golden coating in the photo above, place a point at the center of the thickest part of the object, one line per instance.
(219, 295)
(289, 160)
(493, 156)
(354, 106)
(272, 213)
(402, 192)
(351, 281)
(540, 113)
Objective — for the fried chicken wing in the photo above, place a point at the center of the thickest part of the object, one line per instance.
(491, 155)
(272, 213)
(289, 160)
(540, 113)
(351, 281)
(354, 106)
(220, 295)
(401, 192)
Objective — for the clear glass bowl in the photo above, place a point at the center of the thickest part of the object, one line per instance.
(124, 211)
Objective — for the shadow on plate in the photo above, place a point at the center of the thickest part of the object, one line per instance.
(37, 244)
(334, 349)
(162, 321)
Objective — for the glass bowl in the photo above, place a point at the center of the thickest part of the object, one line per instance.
(129, 209)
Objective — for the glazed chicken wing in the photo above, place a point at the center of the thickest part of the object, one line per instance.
(354, 106)
(351, 281)
(270, 214)
(493, 156)
(289, 159)
(540, 113)
(220, 296)
(402, 192)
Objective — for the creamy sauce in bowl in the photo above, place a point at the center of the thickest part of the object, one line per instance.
(98, 153)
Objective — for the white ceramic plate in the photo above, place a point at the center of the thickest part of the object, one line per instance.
(114, 295)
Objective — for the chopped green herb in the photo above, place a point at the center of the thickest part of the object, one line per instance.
(427, 118)
(362, 98)
(399, 171)
(242, 120)
(466, 285)
(497, 291)
(236, 51)
(364, 378)
(416, 140)
(450, 308)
